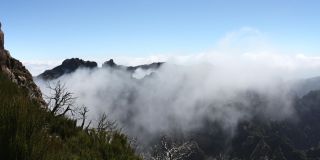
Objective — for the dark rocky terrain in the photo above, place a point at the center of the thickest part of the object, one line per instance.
(302, 87)
(67, 66)
(71, 65)
(112, 64)
(17, 73)
(295, 138)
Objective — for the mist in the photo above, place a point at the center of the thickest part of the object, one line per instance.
(189, 90)
(180, 96)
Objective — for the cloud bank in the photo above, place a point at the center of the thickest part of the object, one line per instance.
(227, 84)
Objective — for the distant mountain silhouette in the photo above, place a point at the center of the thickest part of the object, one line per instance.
(304, 86)
(67, 66)
(111, 64)
(71, 65)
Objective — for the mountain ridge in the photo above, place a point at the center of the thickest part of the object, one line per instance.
(67, 66)
(71, 65)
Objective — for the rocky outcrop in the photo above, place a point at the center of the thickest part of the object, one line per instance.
(112, 64)
(1, 39)
(109, 63)
(67, 66)
(17, 73)
(154, 65)
(71, 65)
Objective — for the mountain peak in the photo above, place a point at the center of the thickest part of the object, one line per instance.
(112, 64)
(72, 64)
(67, 66)
(109, 63)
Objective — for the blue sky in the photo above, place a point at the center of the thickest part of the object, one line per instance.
(58, 29)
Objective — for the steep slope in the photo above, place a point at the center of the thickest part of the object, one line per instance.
(17, 73)
(302, 87)
(28, 131)
(295, 138)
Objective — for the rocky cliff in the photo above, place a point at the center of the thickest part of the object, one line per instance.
(17, 73)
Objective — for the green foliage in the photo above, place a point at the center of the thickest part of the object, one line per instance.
(29, 132)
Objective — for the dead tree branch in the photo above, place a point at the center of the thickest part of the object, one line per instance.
(60, 101)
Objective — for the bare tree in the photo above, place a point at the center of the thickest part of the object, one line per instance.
(105, 124)
(87, 127)
(60, 101)
(173, 151)
(83, 115)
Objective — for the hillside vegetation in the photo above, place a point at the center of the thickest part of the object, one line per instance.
(29, 132)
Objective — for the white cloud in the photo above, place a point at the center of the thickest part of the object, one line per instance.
(37, 67)
(190, 88)
(246, 46)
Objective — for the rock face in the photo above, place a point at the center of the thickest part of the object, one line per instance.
(154, 65)
(17, 73)
(109, 63)
(112, 64)
(67, 66)
(71, 65)
(1, 38)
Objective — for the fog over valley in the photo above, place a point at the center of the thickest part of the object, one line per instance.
(184, 96)
(189, 98)
(160, 80)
